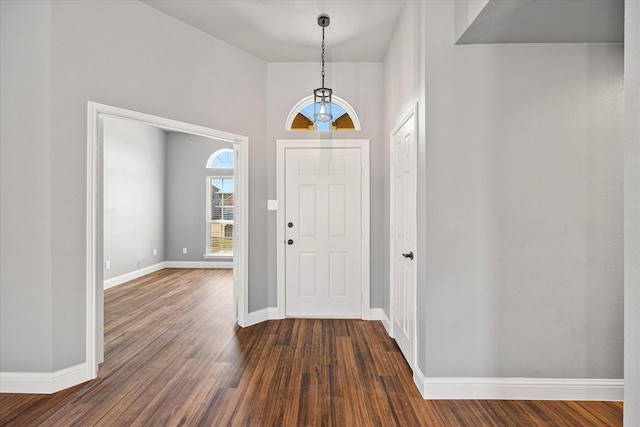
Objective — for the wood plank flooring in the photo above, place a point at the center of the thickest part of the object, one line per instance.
(174, 357)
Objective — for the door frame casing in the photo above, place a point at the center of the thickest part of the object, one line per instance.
(413, 113)
(281, 146)
(95, 111)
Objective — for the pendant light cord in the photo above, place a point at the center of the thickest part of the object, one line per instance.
(323, 57)
(322, 95)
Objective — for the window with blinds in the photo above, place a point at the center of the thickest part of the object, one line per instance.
(220, 216)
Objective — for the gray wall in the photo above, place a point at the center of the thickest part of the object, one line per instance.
(187, 156)
(360, 84)
(632, 214)
(25, 187)
(521, 275)
(134, 196)
(112, 52)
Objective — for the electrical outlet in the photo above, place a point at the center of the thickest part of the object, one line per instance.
(107, 265)
(184, 250)
(155, 252)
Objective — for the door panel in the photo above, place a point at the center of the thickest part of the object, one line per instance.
(307, 278)
(403, 236)
(308, 217)
(338, 217)
(323, 204)
(338, 274)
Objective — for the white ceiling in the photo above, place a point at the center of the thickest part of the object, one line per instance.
(288, 31)
(360, 30)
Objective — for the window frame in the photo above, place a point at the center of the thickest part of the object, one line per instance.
(224, 222)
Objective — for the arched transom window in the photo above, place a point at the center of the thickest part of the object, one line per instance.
(301, 117)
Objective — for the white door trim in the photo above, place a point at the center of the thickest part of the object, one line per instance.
(395, 130)
(281, 146)
(94, 189)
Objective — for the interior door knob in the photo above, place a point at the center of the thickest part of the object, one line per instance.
(409, 255)
(290, 242)
(290, 225)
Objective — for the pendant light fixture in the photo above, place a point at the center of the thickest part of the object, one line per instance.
(322, 95)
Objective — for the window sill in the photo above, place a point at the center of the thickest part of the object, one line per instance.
(218, 256)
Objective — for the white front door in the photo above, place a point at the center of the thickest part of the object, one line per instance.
(323, 232)
(403, 235)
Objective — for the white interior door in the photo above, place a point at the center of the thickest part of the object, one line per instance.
(403, 235)
(323, 232)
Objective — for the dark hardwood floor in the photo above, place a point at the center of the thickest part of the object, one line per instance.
(174, 357)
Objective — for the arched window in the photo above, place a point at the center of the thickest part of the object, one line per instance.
(301, 116)
(220, 207)
(221, 159)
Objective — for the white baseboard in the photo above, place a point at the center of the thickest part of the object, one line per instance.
(269, 313)
(256, 317)
(372, 314)
(272, 313)
(199, 264)
(419, 380)
(123, 278)
(518, 388)
(43, 382)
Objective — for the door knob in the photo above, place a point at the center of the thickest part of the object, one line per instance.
(409, 255)
(290, 225)
(290, 242)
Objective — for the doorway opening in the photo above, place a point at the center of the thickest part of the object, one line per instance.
(96, 263)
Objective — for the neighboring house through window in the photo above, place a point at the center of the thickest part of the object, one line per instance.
(220, 190)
